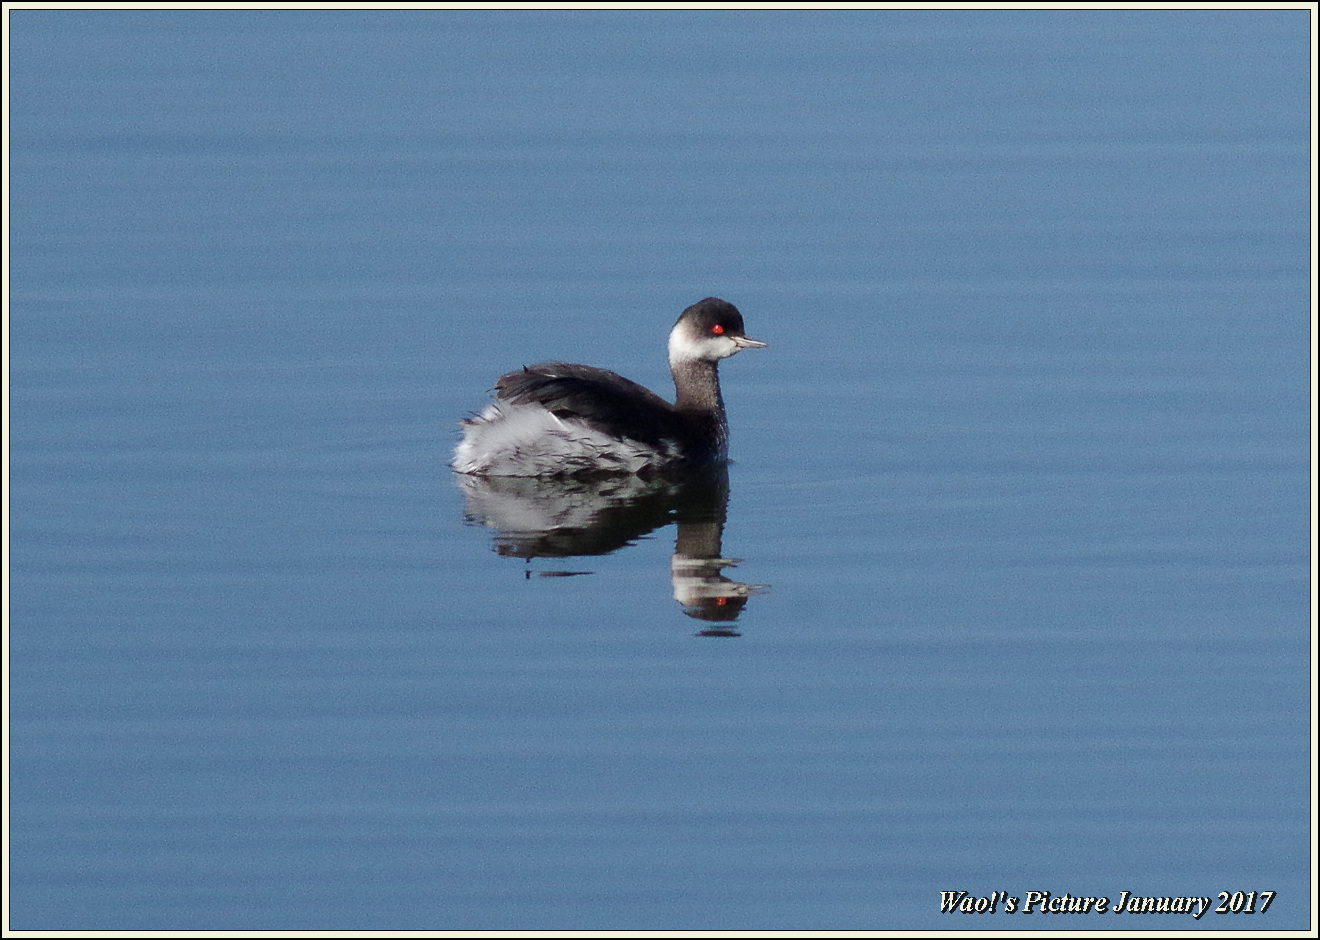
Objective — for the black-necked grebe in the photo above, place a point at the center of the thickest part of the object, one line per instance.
(557, 419)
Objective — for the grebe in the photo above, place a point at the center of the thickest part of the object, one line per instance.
(557, 419)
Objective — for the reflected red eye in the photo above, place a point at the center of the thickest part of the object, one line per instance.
(717, 330)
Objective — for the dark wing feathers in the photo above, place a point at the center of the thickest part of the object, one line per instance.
(603, 399)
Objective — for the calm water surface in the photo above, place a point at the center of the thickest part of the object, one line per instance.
(1020, 494)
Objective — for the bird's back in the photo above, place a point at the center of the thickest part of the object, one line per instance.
(559, 419)
(600, 398)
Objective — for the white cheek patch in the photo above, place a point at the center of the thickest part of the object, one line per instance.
(684, 347)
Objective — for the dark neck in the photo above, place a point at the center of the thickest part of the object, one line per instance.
(697, 384)
(698, 397)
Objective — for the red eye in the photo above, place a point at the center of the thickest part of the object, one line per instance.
(717, 330)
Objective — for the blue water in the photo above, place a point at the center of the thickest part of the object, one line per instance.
(1020, 494)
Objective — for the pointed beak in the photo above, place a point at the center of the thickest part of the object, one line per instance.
(746, 342)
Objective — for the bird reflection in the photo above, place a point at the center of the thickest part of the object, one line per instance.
(562, 518)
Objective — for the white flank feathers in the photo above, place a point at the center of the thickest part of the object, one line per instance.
(520, 440)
